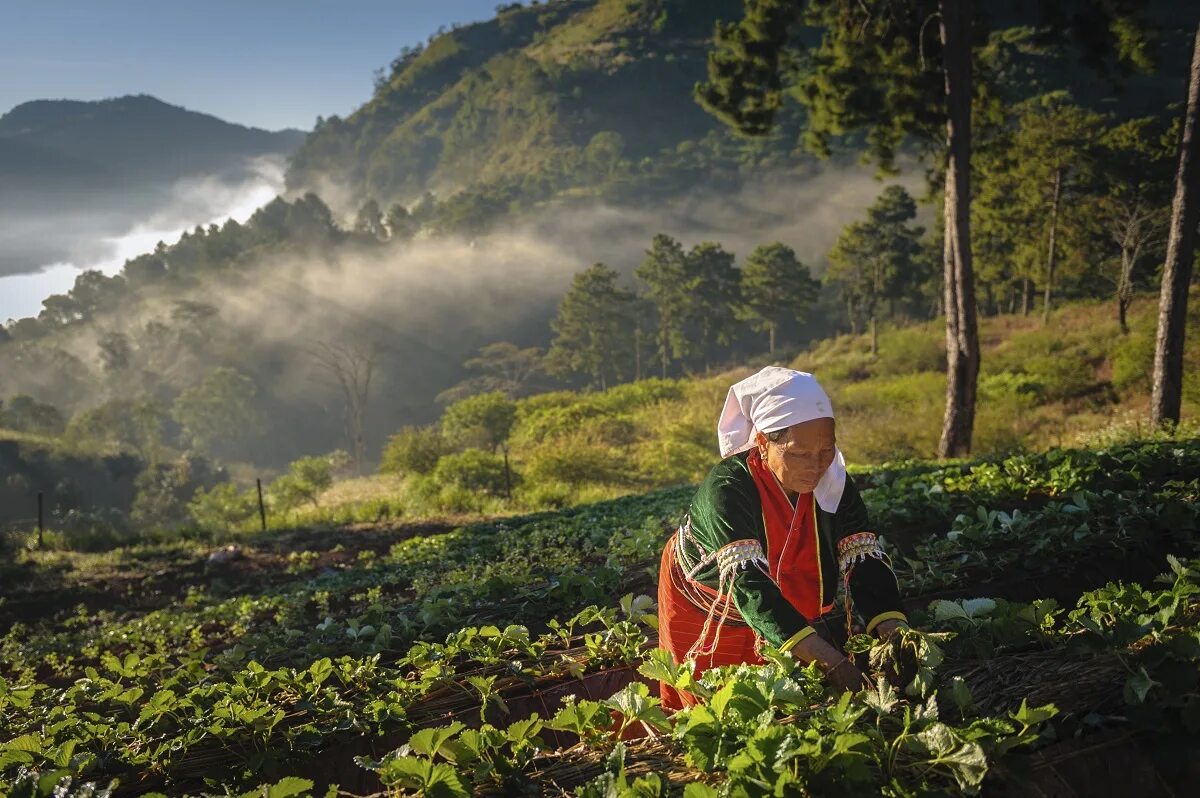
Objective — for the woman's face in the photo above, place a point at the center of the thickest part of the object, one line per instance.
(800, 454)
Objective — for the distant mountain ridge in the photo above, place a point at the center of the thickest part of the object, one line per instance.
(133, 138)
(76, 172)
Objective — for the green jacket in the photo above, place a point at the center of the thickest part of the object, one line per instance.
(727, 507)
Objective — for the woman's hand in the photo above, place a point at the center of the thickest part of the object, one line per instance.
(839, 671)
(888, 629)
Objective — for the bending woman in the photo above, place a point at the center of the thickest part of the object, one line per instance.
(772, 531)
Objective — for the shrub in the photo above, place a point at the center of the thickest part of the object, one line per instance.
(546, 495)
(100, 529)
(222, 507)
(164, 490)
(473, 469)
(305, 481)
(413, 450)
(575, 463)
(1060, 376)
(1133, 360)
(910, 350)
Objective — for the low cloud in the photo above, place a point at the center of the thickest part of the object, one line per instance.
(43, 244)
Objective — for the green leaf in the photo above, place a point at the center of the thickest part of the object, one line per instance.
(635, 704)
(944, 610)
(524, 730)
(1138, 686)
(320, 670)
(1032, 717)
(428, 742)
(978, 607)
(30, 743)
(289, 787)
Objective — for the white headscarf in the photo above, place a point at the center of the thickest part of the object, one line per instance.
(774, 399)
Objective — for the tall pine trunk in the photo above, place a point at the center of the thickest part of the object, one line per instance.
(1026, 295)
(962, 334)
(1050, 256)
(1177, 271)
(771, 334)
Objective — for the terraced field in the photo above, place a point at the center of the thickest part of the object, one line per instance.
(517, 657)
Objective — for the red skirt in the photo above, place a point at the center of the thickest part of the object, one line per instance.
(680, 621)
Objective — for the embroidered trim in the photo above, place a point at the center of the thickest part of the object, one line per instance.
(730, 558)
(852, 550)
(856, 548)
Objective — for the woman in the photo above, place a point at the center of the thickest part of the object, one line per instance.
(773, 529)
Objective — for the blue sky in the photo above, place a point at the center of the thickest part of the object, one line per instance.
(267, 63)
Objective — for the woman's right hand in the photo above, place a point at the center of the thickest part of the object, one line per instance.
(846, 676)
(839, 671)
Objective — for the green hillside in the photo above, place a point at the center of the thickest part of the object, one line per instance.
(587, 94)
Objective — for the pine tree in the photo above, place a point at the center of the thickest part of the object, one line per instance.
(1167, 393)
(714, 293)
(899, 69)
(664, 273)
(877, 259)
(592, 328)
(776, 288)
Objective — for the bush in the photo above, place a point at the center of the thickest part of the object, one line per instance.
(222, 507)
(413, 450)
(473, 469)
(1063, 375)
(305, 481)
(910, 350)
(101, 529)
(575, 463)
(164, 490)
(1005, 411)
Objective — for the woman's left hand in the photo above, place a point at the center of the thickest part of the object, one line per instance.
(888, 629)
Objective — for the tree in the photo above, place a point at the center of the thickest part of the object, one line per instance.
(487, 418)
(776, 288)
(1167, 393)
(713, 295)
(25, 414)
(129, 425)
(878, 66)
(878, 258)
(306, 479)
(351, 365)
(369, 221)
(219, 410)
(1056, 142)
(501, 366)
(664, 274)
(1132, 208)
(401, 225)
(413, 450)
(591, 328)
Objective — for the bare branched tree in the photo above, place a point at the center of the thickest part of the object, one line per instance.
(351, 365)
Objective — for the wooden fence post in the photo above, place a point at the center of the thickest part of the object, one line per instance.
(262, 508)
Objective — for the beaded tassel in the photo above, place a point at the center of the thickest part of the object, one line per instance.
(740, 554)
(852, 550)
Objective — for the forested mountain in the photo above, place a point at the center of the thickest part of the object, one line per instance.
(583, 96)
(505, 159)
(100, 167)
